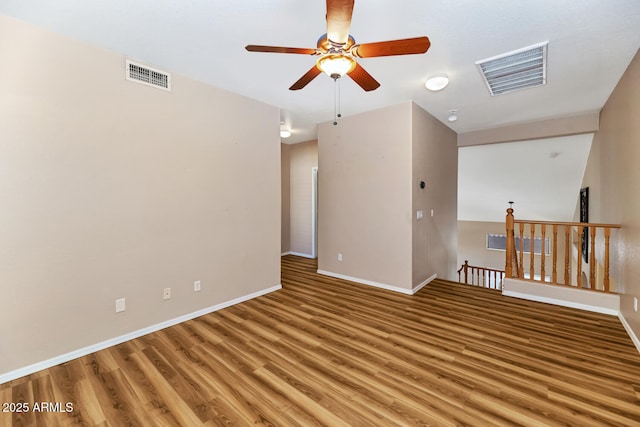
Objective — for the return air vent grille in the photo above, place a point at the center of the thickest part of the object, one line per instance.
(520, 69)
(149, 76)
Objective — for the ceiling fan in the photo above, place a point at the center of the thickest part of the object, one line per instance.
(337, 49)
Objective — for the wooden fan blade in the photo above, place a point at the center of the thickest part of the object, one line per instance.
(279, 49)
(339, 20)
(392, 47)
(364, 79)
(304, 80)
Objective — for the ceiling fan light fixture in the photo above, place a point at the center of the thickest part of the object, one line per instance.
(336, 65)
(437, 82)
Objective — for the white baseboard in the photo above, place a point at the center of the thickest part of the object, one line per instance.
(301, 255)
(423, 284)
(45, 364)
(632, 335)
(563, 296)
(377, 284)
(562, 303)
(285, 253)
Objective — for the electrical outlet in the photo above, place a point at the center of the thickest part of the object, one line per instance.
(196, 286)
(167, 293)
(635, 304)
(340, 257)
(121, 305)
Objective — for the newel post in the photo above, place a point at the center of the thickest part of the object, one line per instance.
(466, 271)
(510, 247)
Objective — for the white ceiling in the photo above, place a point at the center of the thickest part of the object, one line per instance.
(591, 42)
(542, 178)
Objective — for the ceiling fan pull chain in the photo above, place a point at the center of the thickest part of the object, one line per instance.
(336, 100)
(338, 91)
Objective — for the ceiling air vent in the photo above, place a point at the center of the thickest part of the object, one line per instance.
(520, 69)
(149, 76)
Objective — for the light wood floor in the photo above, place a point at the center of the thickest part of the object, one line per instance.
(327, 352)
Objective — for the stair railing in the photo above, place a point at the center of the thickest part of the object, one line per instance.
(480, 276)
(583, 247)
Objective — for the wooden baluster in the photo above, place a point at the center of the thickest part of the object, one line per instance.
(532, 230)
(592, 259)
(508, 268)
(567, 247)
(579, 265)
(607, 235)
(543, 233)
(554, 273)
(521, 274)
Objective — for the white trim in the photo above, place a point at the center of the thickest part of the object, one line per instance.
(375, 284)
(565, 296)
(285, 253)
(632, 335)
(425, 283)
(314, 210)
(45, 364)
(561, 303)
(301, 254)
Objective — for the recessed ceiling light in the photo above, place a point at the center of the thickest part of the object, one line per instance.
(285, 133)
(437, 82)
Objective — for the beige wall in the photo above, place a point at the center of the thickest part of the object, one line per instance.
(111, 189)
(472, 244)
(370, 168)
(285, 228)
(560, 126)
(303, 158)
(613, 178)
(434, 161)
(365, 196)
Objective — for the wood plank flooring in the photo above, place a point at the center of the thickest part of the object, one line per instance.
(325, 352)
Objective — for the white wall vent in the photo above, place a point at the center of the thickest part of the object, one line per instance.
(144, 74)
(520, 69)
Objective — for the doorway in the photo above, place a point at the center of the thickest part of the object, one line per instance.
(314, 212)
